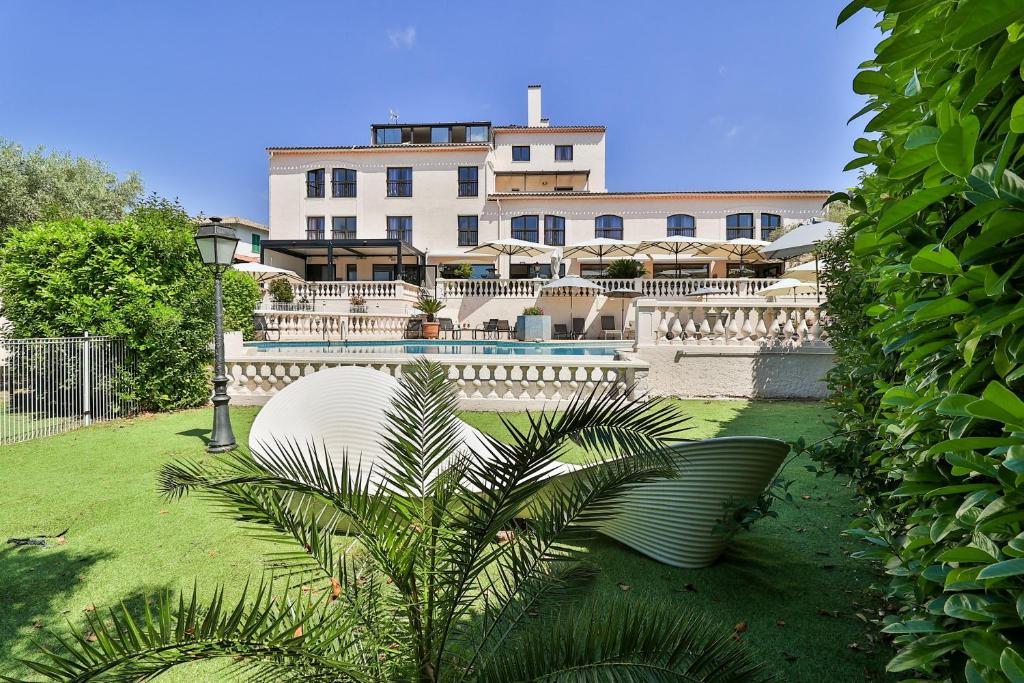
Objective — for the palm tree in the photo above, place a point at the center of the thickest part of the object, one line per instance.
(461, 568)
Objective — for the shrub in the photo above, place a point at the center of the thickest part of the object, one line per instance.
(139, 278)
(430, 306)
(357, 301)
(928, 327)
(533, 310)
(625, 268)
(458, 271)
(281, 291)
(241, 295)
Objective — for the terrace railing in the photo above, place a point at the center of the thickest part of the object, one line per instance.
(711, 323)
(50, 385)
(648, 287)
(368, 289)
(307, 325)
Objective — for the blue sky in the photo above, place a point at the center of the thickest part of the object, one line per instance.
(740, 94)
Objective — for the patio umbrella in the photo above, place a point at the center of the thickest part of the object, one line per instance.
(744, 248)
(675, 245)
(510, 247)
(262, 272)
(572, 283)
(806, 272)
(624, 294)
(789, 285)
(601, 247)
(802, 239)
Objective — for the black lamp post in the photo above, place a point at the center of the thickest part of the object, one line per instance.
(217, 245)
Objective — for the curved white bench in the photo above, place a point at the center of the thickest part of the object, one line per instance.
(342, 410)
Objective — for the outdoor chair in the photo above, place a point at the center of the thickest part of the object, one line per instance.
(339, 414)
(413, 329)
(503, 328)
(608, 326)
(560, 331)
(491, 328)
(263, 330)
(579, 328)
(448, 327)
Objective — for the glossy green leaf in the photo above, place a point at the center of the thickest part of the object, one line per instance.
(935, 258)
(1017, 116)
(955, 149)
(905, 208)
(1003, 569)
(1012, 665)
(976, 20)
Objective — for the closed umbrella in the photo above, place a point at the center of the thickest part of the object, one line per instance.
(675, 245)
(601, 247)
(572, 283)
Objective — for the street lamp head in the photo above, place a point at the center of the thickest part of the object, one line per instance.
(216, 244)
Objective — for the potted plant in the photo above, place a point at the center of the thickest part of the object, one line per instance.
(357, 304)
(625, 269)
(458, 271)
(281, 291)
(533, 324)
(430, 307)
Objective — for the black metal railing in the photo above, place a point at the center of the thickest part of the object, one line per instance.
(314, 234)
(399, 188)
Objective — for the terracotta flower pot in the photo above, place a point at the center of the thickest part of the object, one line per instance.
(431, 330)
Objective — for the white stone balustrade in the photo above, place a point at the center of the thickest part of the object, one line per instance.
(649, 287)
(714, 323)
(308, 325)
(388, 289)
(483, 382)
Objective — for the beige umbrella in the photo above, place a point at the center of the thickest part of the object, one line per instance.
(787, 286)
(744, 248)
(601, 247)
(510, 247)
(262, 272)
(675, 245)
(805, 272)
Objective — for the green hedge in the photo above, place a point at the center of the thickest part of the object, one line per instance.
(928, 325)
(241, 294)
(139, 278)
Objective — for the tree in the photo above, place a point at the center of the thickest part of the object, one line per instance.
(139, 278)
(625, 268)
(426, 594)
(36, 186)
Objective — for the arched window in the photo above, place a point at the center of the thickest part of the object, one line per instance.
(681, 225)
(554, 231)
(770, 222)
(526, 228)
(608, 226)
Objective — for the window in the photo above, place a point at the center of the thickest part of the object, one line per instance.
(468, 226)
(592, 270)
(770, 222)
(608, 226)
(400, 228)
(468, 183)
(440, 135)
(563, 152)
(520, 152)
(389, 136)
(255, 243)
(529, 271)
(343, 182)
(554, 231)
(739, 225)
(399, 181)
(525, 228)
(315, 183)
(476, 134)
(351, 272)
(382, 272)
(681, 225)
(314, 227)
(343, 227)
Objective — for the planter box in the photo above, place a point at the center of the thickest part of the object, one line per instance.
(529, 327)
(353, 308)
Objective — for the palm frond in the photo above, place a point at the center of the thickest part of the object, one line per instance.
(311, 640)
(624, 643)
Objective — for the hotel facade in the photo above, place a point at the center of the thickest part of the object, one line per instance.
(414, 201)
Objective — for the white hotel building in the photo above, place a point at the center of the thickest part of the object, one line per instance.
(423, 195)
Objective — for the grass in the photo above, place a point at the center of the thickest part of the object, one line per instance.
(789, 580)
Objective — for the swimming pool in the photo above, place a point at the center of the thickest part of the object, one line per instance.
(451, 347)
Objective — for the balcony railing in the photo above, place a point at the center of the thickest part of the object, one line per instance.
(315, 234)
(787, 324)
(399, 188)
(660, 288)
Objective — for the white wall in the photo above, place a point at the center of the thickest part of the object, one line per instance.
(588, 153)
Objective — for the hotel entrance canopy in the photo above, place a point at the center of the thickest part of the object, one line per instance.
(398, 253)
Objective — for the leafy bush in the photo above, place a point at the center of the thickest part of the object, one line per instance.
(625, 268)
(458, 271)
(928, 325)
(241, 294)
(430, 306)
(533, 310)
(281, 291)
(139, 278)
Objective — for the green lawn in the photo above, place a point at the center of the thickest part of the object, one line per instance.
(789, 579)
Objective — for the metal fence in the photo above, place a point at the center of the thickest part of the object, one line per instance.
(49, 385)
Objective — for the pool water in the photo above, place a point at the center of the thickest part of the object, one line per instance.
(446, 347)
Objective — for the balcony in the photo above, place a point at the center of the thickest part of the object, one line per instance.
(542, 181)
(315, 235)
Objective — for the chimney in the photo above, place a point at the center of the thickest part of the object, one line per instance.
(533, 119)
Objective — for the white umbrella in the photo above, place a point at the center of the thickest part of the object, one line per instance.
(601, 247)
(262, 272)
(802, 239)
(624, 294)
(806, 272)
(572, 283)
(675, 245)
(744, 248)
(789, 285)
(510, 247)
